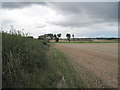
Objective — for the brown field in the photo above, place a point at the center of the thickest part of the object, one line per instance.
(96, 63)
(87, 40)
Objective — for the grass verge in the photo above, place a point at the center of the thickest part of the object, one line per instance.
(69, 77)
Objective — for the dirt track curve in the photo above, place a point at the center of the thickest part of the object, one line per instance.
(96, 63)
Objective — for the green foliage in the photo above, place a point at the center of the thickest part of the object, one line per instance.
(68, 36)
(59, 35)
(23, 58)
(31, 63)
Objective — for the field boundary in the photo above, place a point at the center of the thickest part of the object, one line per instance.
(87, 42)
(70, 77)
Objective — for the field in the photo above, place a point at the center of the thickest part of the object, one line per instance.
(90, 41)
(32, 63)
(96, 63)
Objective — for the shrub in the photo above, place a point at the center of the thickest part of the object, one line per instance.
(22, 58)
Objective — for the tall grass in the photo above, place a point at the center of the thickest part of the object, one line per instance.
(32, 63)
(23, 59)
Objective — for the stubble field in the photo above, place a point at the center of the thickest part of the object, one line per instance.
(96, 63)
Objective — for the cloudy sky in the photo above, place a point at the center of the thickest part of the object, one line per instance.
(83, 19)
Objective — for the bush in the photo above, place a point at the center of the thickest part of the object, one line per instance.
(23, 58)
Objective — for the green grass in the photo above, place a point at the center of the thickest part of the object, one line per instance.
(23, 60)
(66, 70)
(88, 42)
(30, 63)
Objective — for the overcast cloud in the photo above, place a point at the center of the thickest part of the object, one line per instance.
(84, 19)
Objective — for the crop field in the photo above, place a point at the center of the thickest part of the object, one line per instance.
(96, 63)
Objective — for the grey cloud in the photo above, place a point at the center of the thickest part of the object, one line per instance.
(13, 5)
(41, 26)
(97, 8)
(76, 21)
(97, 12)
(78, 14)
(7, 21)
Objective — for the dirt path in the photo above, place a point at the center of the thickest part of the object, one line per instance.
(96, 63)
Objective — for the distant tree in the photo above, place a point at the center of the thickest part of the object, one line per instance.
(51, 36)
(55, 36)
(42, 37)
(29, 36)
(73, 36)
(68, 37)
(59, 35)
(46, 35)
(57, 39)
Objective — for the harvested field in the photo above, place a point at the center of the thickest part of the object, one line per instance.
(96, 63)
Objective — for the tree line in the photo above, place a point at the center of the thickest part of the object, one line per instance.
(55, 37)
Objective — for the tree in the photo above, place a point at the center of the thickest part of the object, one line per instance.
(68, 37)
(73, 36)
(50, 36)
(55, 36)
(59, 35)
(42, 37)
(57, 39)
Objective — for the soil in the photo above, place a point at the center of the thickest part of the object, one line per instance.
(96, 63)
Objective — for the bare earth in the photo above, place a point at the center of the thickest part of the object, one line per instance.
(96, 63)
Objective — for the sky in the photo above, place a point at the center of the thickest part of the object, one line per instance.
(83, 19)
